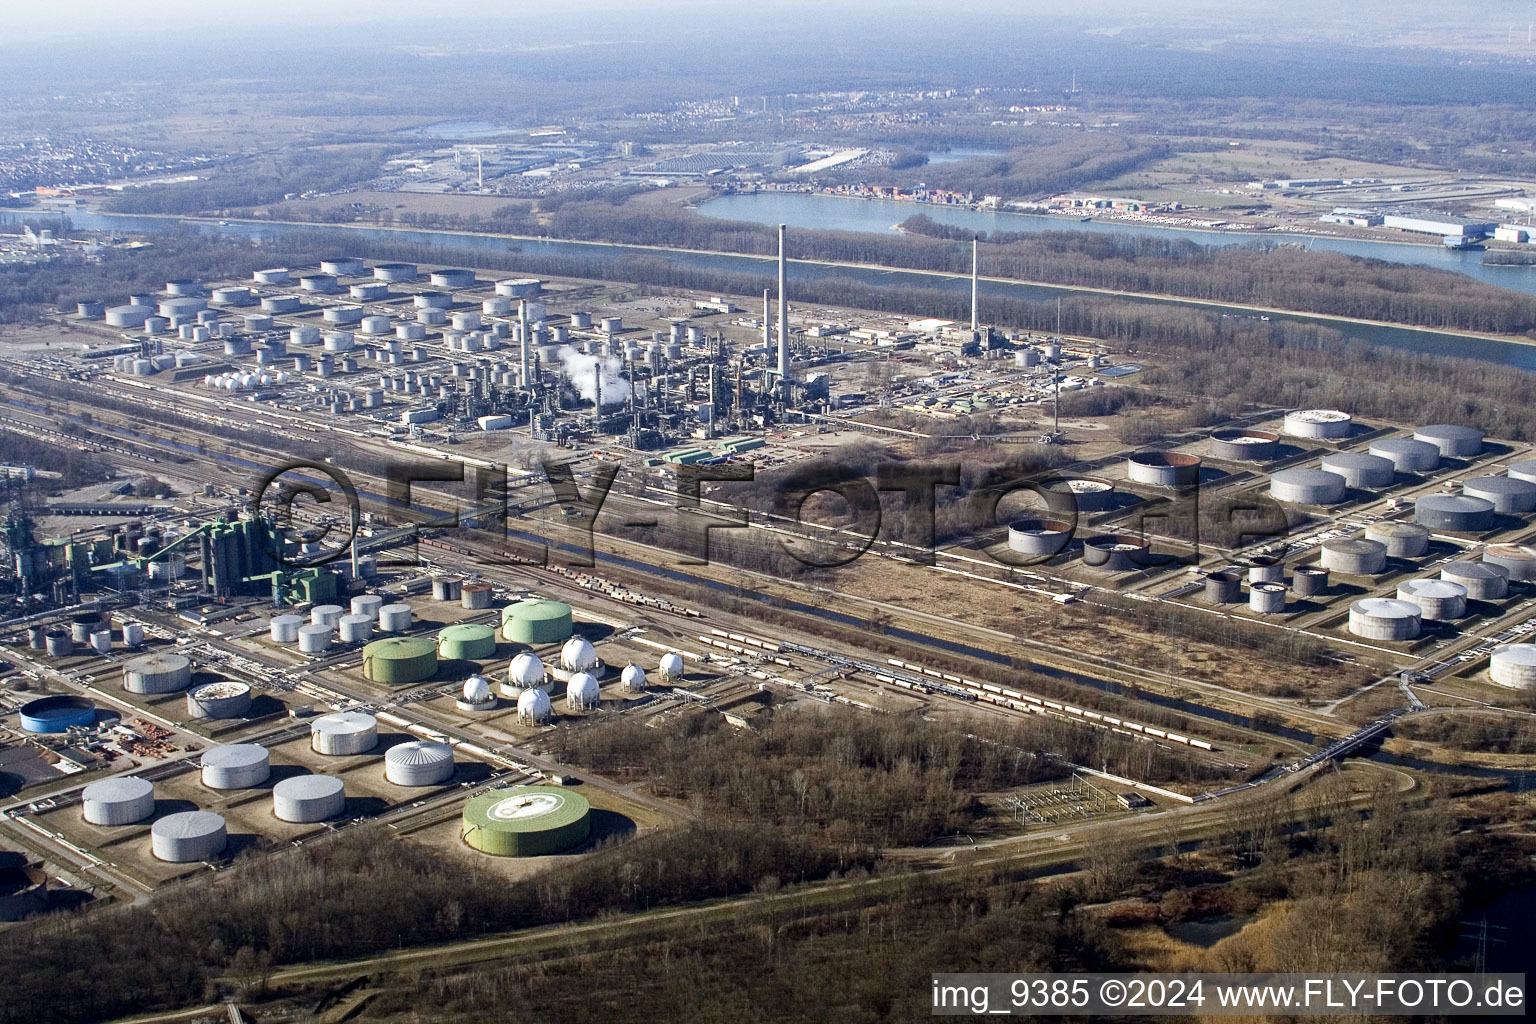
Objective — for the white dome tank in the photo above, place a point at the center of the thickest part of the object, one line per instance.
(119, 801)
(308, 798)
(533, 707)
(581, 693)
(525, 671)
(346, 732)
(418, 763)
(236, 766)
(671, 665)
(188, 837)
(633, 678)
(578, 655)
(477, 690)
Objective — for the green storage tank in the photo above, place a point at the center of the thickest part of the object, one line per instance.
(536, 622)
(397, 660)
(526, 821)
(466, 642)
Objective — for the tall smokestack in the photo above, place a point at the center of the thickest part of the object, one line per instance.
(975, 259)
(767, 323)
(783, 312)
(522, 327)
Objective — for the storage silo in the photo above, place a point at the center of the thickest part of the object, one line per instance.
(1265, 569)
(466, 642)
(285, 628)
(157, 673)
(315, 639)
(1518, 560)
(533, 707)
(227, 698)
(344, 733)
(1164, 469)
(581, 693)
(536, 622)
(418, 763)
(1513, 665)
(1359, 469)
(1309, 580)
(367, 604)
(1223, 588)
(526, 821)
(1354, 557)
(236, 766)
(1318, 423)
(1454, 513)
(1039, 536)
(1244, 445)
(1307, 487)
(118, 801)
(1509, 495)
(1483, 581)
(1407, 455)
(1402, 540)
(326, 614)
(398, 660)
(475, 596)
(355, 629)
(1266, 598)
(395, 618)
(394, 273)
(188, 837)
(1382, 618)
(1438, 600)
(454, 277)
(1523, 471)
(1454, 442)
(1113, 552)
(308, 798)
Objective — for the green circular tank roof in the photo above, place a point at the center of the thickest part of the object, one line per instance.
(526, 821)
(535, 611)
(536, 622)
(466, 640)
(399, 648)
(400, 659)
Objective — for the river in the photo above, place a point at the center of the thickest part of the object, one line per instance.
(1406, 338)
(844, 213)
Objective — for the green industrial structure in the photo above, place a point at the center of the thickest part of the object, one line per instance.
(466, 641)
(398, 660)
(526, 821)
(536, 622)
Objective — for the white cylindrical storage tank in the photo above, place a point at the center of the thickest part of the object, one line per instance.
(497, 306)
(395, 618)
(157, 673)
(272, 275)
(633, 678)
(308, 798)
(304, 335)
(1513, 665)
(1402, 540)
(339, 341)
(466, 320)
(1266, 569)
(1318, 423)
(672, 667)
(285, 628)
(445, 588)
(1309, 580)
(133, 634)
(1354, 557)
(101, 641)
(395, 272)
(1483, 581)
(432, 300)
(314, 639)
(410, 332)
(1307, 487)
(280, 304)
(375, 324)
(453, 277)
(355, 629)
(1523, 471)
(1039, 536)
(1510, 495)
(345, 732)
(612, 324)
(418, 763)
(1517, 560)
(342, 266)
(188, 837)
(1266, 598)
(1457, 513)
(367, 604)
(1454, 441)
(1360, 470)
(236, 766)
(326, 614)
(1382, 618)
(475, 596)
(1438, 600)
(1163, 469)
(118, 801)
(324, 283)
(519, 288)
(227, 698)
(342, 314)
(1222, 588)
(233, 297)
(1407, 455)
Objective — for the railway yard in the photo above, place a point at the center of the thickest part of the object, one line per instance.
(466, 626)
